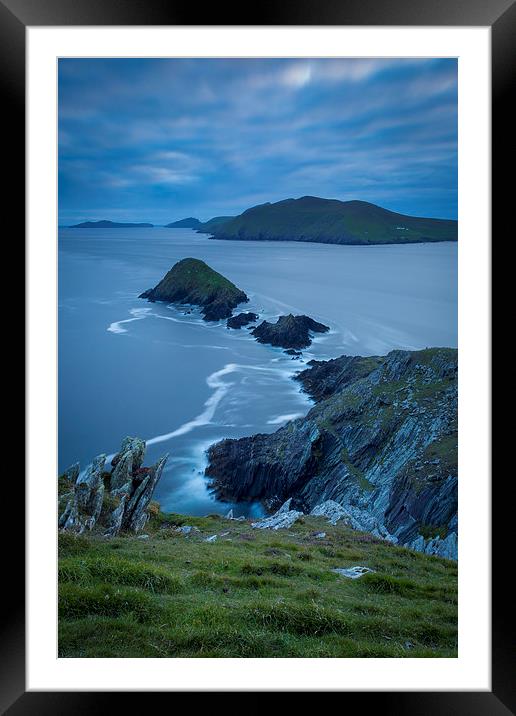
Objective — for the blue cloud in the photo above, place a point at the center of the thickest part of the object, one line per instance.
(156, 140)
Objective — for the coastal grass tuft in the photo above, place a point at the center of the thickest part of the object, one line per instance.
(251, 593)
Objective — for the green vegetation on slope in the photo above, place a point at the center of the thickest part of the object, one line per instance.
(191, 281)
(209, 226)
(251, 593)
(335, 222)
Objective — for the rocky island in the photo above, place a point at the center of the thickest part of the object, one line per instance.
(191, 281)
(379, 447)
(331, 221)
(241, 320)
(292, 332)
(105, 224)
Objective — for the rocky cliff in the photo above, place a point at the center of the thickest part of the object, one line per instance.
(381, 443)
(191, 281)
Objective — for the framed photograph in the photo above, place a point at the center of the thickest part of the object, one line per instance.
(258, 270)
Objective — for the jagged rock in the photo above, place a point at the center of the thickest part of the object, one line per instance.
(72, 473)
(229, 515)
(331, 510)
(282, 519)
(135, 515)
(392, 471)
(352, 572)
(241, 319)
(112, 500)
(288, 331)
(84, 502)
(447, 547)
(285, 507)
(127, 461)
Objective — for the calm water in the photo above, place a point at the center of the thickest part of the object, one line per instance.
(129, 367)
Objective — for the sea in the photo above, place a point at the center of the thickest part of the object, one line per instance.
(162, 373)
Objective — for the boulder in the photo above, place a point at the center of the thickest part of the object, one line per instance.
(282, 519)
(352, 572)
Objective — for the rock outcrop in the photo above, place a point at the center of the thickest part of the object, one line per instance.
(290, 331)
(282, 519)
(191, 281)
(381, 442)
(241, 320)
(111, 500)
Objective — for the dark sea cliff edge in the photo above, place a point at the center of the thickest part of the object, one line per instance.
(381, 442)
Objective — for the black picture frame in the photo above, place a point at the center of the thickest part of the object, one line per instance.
(500, 16)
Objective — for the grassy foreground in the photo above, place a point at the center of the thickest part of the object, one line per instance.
(251, 593)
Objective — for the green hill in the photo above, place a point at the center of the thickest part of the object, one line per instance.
(191, 281)
(251, 593)
(208, 227)
(333, 222)
(189, 223)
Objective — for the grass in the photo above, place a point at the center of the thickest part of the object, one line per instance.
(251, 593)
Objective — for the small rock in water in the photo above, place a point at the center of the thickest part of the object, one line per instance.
(211, 539)
(352, 572)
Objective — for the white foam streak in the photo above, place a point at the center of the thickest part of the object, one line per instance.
(138, 315)
(214, 381)
(284, 418)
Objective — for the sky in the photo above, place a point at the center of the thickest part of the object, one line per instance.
(158, 140)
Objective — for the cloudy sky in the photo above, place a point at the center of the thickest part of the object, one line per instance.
(160, 139)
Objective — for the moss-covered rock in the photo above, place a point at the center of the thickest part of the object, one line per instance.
(192, 281)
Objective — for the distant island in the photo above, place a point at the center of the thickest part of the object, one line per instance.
(202, 227)
(331, 221)
(208, 227)
(189, 223)
(192, 281)
(104, 224)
